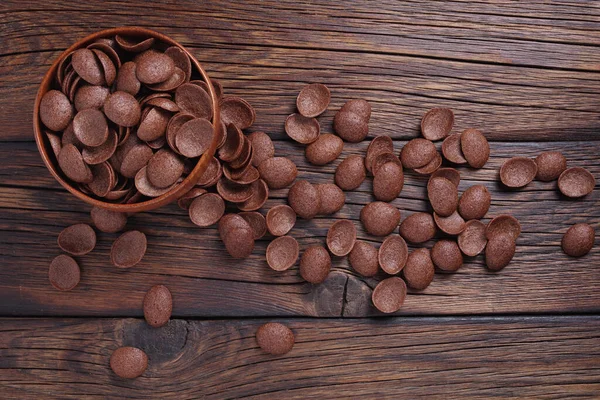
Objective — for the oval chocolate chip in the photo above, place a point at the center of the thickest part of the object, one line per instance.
(282, 253)
(304, 198)
(324, 150)
(443, 196)
(122, 109)
(379, 218)
(578, 240)
(518, 171)
(153, 67)
(315, 264)
(418, 227)
(262, 146)
(437, 123)
(341, 237)
(128, 362)
(452, 150)
(56, 110)
(499, 251)
(550, 164)
(108, 221)
(64, 273)
(350, 126)
(475, 148)
(575, 182)
(90, 96)
(379, 145)
(472, 239)
(332, 198)
(206, 209)
(158, 305)
(280, 219)
(419, 270)
(257, 222)
(503, 224)
(364, 258)
(278, 172)
(90, 127)
(275, 338)
(77, 239)
(127, 80)
(388, 182)
(237, 111)
(350, 173)
(360, 107)
(393, 254)
(164, 168)
(388, 296)
(449, 173)
(313, 100)
(417, 153)
(71, 163)
(452, 224)
(302, 129)
(474, 202)
(446, 255)
(128, 249)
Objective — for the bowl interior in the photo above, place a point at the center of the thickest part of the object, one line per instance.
(51, 162)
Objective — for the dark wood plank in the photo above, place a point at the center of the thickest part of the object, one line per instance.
(518, 74)
(206, 282)
(541, 357)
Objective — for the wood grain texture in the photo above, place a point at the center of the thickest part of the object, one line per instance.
(516, 73)
(542, 357)
(208, 283)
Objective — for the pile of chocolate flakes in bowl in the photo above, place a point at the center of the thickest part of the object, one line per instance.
(128, 121)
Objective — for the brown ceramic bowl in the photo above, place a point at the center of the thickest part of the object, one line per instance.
(48, 156)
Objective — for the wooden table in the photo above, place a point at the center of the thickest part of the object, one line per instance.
(527, 74)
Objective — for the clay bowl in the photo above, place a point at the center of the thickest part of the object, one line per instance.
(51, 162)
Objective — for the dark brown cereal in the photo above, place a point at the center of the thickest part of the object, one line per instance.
(313, 100)
(192, 99)
(341, 237)
(360, 107)
(135, 160)
(186, 200)
(430, 167)
(578, 240)
(503, 224)
(350, 173)
(499, 251)
(437, 123)
(388, 182)
(194, 137)
(104, 179)
(90, 96)
(260, 195)
(77, 239)
(452, 150)
(97, 155)
(446, 255)
(55, 142)
(332, 198)
(275, 338)
(134, 45)
(256, 221)
(576, 182)
(127, 80)
(231, 221)
(108, 67)
(383, 159)
(233, 192)
(234, 144)
(263, 147)
(213, 173)
(243, 159)
(443, 196)
(176, 80)
(449, 173)
(128, 362)
(282, 253)
(237, 111)
(315, 264)
(107, 220)
(164, 168)
(304, 198)
(324, 150)
(475, 147)
(280, 220)
(393, 254)
(364, 259)
(379, 144)
(153, 124)
(418, 227)
(153, 67)
(452, 224)
(207, 209)
(90, 127)
(64, 273)
(278, 172)
(550, 164)
(302, 129)
(417, 153)
(122, 109)
(243, 176)
(158, 306)
(164, 103)
(474, 202)
(379, 218)
(419, 270)
(128, 249)
(388, 296)
(181, 60)
(239, 242)
(350, 126)
(518, 171)
(88, 67)
(472, 239)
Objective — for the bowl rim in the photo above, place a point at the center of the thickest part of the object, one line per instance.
(153, 203)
